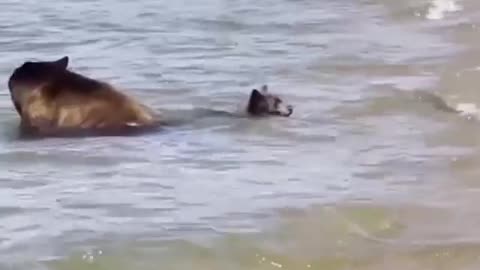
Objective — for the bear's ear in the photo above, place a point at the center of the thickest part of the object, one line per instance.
(62, 63)
(255, 102)
(264, 88)
(256, 97)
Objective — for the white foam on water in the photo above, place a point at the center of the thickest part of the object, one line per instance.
(439, 8)
(469, 110)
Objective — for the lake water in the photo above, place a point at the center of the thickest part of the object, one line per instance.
(368, 173)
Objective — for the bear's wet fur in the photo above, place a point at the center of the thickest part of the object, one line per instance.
(263, 103)
(52, 100)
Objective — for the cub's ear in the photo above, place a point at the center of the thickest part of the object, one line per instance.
(256, 99)
(62, 63)
(264, 88)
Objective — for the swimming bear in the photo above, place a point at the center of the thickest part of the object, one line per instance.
(52, 100)
(263, 103)
(260, 104)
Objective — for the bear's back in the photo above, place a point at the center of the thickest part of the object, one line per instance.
(75, 101)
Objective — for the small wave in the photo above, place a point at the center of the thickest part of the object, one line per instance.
(439, 8)
(468, 109)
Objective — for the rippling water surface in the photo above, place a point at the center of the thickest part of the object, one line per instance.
(370, 172)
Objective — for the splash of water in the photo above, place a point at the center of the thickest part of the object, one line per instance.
(439, 8)
(470, 110)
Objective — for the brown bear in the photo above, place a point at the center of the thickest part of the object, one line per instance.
(263, 103)
(260, 104)
(52, 100)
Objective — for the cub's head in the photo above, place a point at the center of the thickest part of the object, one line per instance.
(32, 75)
(262, 103)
